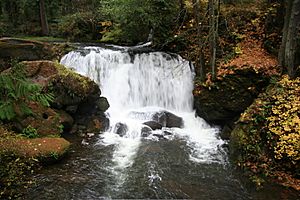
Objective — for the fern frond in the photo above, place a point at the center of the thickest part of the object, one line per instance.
(25, 109)
(7, 111)
(16, 89)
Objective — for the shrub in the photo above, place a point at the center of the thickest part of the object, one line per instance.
(30, 132)
(81, 26)
(266, 138)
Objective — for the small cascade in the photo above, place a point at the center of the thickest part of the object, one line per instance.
(140, 87)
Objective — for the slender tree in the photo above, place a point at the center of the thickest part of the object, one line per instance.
(290, 39)
(201, 61)
(43, 18)
(213, 10)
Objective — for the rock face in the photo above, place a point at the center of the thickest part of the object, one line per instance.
(227, 98)
(77, 98)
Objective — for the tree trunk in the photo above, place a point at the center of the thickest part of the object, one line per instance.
(212, 37)
(201, 62)
(291, 30)
(182, 4)
(43, 18)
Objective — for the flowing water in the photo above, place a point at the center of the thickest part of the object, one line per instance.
(186, 161)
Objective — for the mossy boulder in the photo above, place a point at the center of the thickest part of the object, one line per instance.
(224, 100)
(76, 95)
(21, 156)
(44, 149)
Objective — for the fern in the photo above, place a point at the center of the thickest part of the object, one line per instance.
(17, 91)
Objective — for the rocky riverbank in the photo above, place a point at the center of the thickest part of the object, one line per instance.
(35, 138)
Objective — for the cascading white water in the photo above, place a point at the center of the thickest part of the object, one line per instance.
(137, 86)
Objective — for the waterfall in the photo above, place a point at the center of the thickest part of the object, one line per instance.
(137, 86)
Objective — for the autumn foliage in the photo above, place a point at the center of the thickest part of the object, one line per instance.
(268, 132)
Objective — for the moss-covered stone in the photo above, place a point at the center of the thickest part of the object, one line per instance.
(76, 95)
(20, 156)
(44, 149)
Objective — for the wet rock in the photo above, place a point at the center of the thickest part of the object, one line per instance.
(120, 129)
(95, 125)
(227, 129)
(146, 131)
(153, 125)
(227, 98)
(65, 119)
(168, 119)
(103, 104)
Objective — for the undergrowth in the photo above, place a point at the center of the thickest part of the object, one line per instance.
(268, 133)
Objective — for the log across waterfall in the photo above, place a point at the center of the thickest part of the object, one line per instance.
(139, 88)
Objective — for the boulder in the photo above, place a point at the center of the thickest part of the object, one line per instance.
(76, 95)
(102, 104)
(45, 149)
(96, 124)
(227, 98)
(146, 131)
(66, 120)
(120, 129)
(45, 120)
(153, 125)
(168, 119)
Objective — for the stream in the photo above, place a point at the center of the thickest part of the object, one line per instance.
(184, 159)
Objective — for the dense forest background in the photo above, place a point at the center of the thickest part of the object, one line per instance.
(208, 31)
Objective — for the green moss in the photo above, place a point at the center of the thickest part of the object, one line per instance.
(66, 74)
